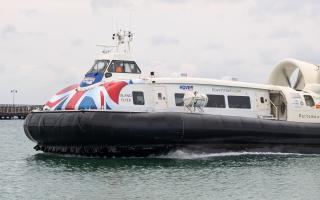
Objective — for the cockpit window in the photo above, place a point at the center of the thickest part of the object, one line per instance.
(120, 66)
(99, 66)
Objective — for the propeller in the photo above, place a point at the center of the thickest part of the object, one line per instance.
(298, 81)
(287, 78)
(293, 78)
(296, 74)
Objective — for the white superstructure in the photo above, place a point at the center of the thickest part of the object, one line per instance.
(115, 83)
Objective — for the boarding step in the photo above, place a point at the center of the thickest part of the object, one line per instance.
(271, 117)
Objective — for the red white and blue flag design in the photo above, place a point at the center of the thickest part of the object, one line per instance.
(102, 97)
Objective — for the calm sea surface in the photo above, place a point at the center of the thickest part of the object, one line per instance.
(27, 174)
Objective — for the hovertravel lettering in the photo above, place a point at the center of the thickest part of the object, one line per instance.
(225, 90)
(309, 116)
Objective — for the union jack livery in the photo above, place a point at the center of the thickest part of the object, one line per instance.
(102, 97)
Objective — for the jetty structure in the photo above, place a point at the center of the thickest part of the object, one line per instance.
(19, 111)
(116, 110)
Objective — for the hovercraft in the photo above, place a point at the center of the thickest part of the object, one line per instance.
(117, 111)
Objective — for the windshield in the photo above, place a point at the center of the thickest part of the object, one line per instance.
(99, 66)
(122, 66)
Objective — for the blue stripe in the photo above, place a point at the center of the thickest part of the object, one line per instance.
(87, 103)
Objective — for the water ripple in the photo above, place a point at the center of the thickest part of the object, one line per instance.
(27, 174)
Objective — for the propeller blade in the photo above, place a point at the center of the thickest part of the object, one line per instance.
(298, 81)
(286, 76)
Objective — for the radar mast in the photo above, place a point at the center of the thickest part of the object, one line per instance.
(122, 40)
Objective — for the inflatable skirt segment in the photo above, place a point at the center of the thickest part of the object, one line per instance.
(103, 133)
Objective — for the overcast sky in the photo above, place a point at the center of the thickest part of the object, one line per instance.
(46, 45)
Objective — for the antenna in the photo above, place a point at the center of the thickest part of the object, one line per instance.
(112, 24)
(122, 41)
(117, 25)
(106, 48)
(123, 38)
(130, 20)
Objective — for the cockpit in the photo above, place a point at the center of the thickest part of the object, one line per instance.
(105, 68)
(120, 66)
(99, 66)
(116, 66)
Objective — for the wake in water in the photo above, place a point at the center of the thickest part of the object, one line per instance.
(184, 154)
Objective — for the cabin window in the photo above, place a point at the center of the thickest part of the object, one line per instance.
(216, 101)
(99, 66)
(239, 102)
(309, 100)
(179, 99)
(119, 66)
(138, 98)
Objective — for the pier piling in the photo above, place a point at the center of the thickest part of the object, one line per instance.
(17, 111)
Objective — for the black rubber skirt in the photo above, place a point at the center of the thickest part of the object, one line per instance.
(97, 133)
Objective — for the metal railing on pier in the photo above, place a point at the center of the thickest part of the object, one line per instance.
(20, 111)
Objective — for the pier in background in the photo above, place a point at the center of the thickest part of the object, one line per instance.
(19, 111)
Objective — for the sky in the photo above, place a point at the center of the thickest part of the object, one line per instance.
(46, 45)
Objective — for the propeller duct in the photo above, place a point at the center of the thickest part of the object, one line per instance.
(295, 74)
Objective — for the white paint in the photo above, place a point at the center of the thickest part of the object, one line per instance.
(279, 102)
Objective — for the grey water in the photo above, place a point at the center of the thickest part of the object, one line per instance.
(27, 174)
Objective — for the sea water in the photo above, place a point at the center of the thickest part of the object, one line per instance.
(28, 174)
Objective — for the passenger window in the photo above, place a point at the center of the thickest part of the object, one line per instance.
(261, 99)
(138, 98)
(216, 101)
(239, 102)
(179, 99)
(309, 100)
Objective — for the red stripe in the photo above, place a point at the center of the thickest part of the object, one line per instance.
(67, 89)
(73, 101)
(108, 84)
(102, 100)
(52, 104)
(114, 89)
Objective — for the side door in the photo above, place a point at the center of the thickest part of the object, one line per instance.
(262, 103)
(160, 98)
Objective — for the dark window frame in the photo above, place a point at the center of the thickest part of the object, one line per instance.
(179, 104)
(124, 72)
(103, 70)
(221, 97)
(241, 105)
(308, 100)
(135, 94)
